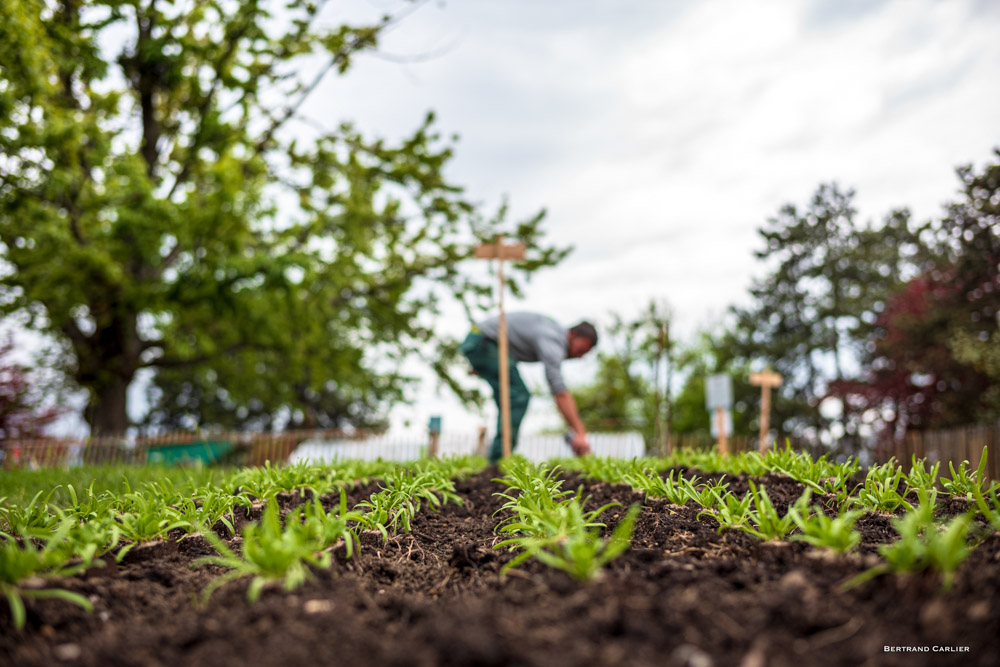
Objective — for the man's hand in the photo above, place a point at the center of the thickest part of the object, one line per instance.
(579, 444)
(567, 406)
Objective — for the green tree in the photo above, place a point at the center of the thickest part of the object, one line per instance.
(631, 390)
(157, 212)
(969, 237)
(713, 352)
(813, 312)
(931, 361)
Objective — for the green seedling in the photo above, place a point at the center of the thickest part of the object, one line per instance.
(922, 545)
(271, 553)
(729, 510)
(201, 515)
(920, 477)
(658, 486)
(385, 510)
(836, 534)
(540, 514)
(551, 525)
(962, 483)
(767, 523)
(751, 463)
(704, 495)
(147, 522)
(836, 485)
(988, 505)
(578, 549)
(948, 548)
(326, 528)
(881, 490)
(799, 467)
(34, 518)
(21, 563)
(89, 506)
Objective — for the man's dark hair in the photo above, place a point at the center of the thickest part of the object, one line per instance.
(585, 330)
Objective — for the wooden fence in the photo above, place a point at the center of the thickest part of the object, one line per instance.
(955, 445)
(170, 448)
(314, 445)
(952, 445)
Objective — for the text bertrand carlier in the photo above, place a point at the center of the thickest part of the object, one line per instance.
(925, 649)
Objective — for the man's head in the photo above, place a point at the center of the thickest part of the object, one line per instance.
(582, 338)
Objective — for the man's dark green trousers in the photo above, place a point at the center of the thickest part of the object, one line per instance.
(484, 356)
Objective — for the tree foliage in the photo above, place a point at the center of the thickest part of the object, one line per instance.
(931, 360)
(160, 209)
(828, 277)
(631, 390)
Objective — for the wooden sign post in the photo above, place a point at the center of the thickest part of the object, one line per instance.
(720, 420)
(718, 400)
(434, 433)
(500, 252)
(765, 380)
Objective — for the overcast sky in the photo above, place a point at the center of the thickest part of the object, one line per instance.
(660, 135)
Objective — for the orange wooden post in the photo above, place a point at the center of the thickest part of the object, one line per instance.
(481, 442)
(765, 380)
(720, 420)
(718, 401)
(500, 252)
(434, 432)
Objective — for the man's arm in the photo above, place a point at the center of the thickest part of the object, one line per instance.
(567, 406)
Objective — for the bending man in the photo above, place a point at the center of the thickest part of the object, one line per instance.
(530, 337)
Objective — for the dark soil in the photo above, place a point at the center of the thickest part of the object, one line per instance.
(683, 595)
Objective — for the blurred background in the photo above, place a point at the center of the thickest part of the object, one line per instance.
(259, 216)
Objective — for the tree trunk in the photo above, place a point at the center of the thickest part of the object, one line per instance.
(107, 361)
(106, 413)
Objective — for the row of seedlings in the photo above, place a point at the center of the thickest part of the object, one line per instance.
(551, 524)
(48, 538)
(923, 542)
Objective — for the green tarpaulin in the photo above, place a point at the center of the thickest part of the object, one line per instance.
(189, 452)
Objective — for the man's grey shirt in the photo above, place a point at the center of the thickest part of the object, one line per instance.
(533, 337)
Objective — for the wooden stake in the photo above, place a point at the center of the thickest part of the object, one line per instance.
(500, 252)
(765, 380)
(720, 419)
(504, 368)
(481, 444)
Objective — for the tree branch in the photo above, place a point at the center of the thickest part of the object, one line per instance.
(232, 42)
(339, 58)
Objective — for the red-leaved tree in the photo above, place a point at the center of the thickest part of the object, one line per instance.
(20, 416)
(913, 380)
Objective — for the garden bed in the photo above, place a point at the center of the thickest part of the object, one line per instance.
(682, 595)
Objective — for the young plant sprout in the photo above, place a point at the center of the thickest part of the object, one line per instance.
(921, 478)
(767, 524)
(922, 544)
(21, 564)
(962, 483)
(988, 505)
(881, 490)
(836, 534)
(271, 553)
(658, 486)
(578, 550)
(703, 495)
(549, 524)
(146, 521)
(35, 518)
(729, 510)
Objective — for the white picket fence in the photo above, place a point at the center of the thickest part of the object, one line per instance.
(399, 448)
